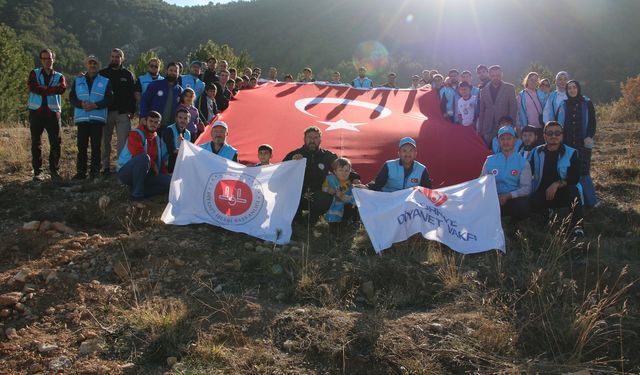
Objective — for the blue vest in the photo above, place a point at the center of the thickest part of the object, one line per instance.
(564, 161)
(522, 110)
(495, 145)
(507, 171)
(365, 83)
(452, 96)
(397, 180)
(176, 142)
(551, 100)
(585, 114)
(146, 79)
(475, 91)
(125, 154)
(194, 83)
(336, 210)
(227, 152)
(94, 94)
(53, 101)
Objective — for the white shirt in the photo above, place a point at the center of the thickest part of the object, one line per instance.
(467, 108)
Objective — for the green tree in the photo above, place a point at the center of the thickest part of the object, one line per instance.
(14, 69)
(223, 52)
(542, 70)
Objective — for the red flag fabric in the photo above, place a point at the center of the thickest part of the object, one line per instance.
(362, 125)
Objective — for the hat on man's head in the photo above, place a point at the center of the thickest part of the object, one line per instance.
(220, 123)
(92, 58)
(407, 140)
(196, 62)
(507, 129)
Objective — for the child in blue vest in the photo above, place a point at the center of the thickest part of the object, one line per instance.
(175, 134)
(340, 186)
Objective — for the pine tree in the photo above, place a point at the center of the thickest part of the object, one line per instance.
(15, 65)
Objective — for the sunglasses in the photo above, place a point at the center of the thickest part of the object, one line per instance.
(552, 133)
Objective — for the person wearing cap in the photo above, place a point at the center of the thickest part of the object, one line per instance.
(556, 176)
(495, 143)
(391, 81)
(162, 96)
(218, 144)
(152, 74)
(192, 80)
(142, 164)
(513, 176)
(319, 161)
(265, 151)
(402, 173)
(121, 108)
(90, 96)
(46, 87)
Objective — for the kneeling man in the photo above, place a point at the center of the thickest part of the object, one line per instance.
(513, 176)
(218, 144)
(404, 172)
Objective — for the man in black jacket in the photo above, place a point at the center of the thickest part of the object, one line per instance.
(121, 108)
(318, 167)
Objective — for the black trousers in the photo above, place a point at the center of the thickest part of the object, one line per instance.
(89, 132)
(516, 208)
(38, 123)
(318, 203)
(565, 197)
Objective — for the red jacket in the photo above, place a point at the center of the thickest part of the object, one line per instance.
(135, 145)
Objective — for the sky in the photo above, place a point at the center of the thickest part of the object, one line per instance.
(196, 2)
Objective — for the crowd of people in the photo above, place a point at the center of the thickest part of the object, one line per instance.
(540, 139)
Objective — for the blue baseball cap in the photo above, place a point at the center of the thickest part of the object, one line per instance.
(506, 130)
(407, 140)
(196, 62)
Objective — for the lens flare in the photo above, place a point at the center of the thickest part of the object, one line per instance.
(373, 56)
(409, 18)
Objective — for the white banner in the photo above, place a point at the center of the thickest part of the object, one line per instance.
(258, 201)
(465, 217)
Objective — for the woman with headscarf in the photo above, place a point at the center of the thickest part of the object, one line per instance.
(578, 119)
(556, 97)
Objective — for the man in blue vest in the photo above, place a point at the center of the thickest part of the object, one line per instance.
(362, 81)
(162, 96)
(177, 133)
(556, 176)
(46, 87)
(192, 80)
(142, 164)
(153, 73)
(90, 96)
(218, 144)
(513, 176)
(404, 172)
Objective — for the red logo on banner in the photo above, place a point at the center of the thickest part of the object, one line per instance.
(232, 197)
(436, 197)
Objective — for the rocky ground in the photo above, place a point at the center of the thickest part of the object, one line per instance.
(91, 283)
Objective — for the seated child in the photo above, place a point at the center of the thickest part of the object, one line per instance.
(338, 184)
(529, 141)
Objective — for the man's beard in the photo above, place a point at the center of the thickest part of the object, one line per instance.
(114, 66)
(172, 79)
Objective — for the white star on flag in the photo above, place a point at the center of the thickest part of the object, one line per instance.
(342, 124)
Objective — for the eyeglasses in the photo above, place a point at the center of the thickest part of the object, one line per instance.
(552, 133)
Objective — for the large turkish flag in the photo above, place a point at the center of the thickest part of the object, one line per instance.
(362, 125)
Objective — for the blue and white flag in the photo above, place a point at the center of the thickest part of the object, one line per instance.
(259, 201)
(465, 217)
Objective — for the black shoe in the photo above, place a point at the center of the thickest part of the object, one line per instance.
(79, 176)
(55, 176)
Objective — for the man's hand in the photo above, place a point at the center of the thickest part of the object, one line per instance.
(504, 198)
(341, 195)
(89, 106)
(331, 191)
(552, 190)
(296, 157)
(588, 142)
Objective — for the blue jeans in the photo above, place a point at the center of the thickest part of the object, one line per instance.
(143, 182)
